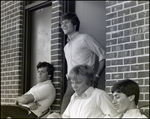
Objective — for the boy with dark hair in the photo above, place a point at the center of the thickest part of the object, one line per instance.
(80, 49)
(41, 96)
(50, 68)
(125, 99)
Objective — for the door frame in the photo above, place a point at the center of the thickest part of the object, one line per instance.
(26, 55)
(68, 6)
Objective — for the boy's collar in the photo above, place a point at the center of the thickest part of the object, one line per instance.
(73, 36)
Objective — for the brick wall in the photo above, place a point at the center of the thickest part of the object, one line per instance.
(11, 50)
(127, 45)
(56, 53)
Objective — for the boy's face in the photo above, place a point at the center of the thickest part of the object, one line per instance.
(121, 102)
(43, 74)
(79, 86)
(67, 27)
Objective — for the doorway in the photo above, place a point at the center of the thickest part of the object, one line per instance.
(37, 40)
(92, 16)
(40, 40)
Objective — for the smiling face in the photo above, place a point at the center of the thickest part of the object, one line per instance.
(43, 74)
(67, 27)
(121, 102)
(79, 86)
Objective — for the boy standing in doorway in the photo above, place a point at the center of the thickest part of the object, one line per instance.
(80, 49)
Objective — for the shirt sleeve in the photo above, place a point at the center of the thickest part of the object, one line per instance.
(106, 105)
(66, 113)
(94, 46)
(43, 92)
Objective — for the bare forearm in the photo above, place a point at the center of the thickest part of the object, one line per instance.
(101, 67)
(25, 99)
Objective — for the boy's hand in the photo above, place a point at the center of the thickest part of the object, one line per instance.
(34, 105)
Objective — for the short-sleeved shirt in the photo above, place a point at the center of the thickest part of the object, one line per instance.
(82, 49)
(93, 103)
(133, 113)
(44, 93)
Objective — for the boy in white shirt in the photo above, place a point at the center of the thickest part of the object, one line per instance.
(86, 102)
(125, 99)
(41, 96)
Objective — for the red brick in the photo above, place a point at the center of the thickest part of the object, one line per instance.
(117, 21)
(143, 74)
(123, 39)
(123, 68)
(141, 2)
(147, 66)
(137, 37)
(117, 7)
(143, 43)
(117, 76)
(123, 26)
(130, 31)
(147, 5)
(112, 15)
(143, 59)
(146, 50)
(129, 4)
(56, 47)
(144, 89)
(117, 62)
(111, 55)
(107, 76)
(137, 9)
(141, 97)
(123, 12)
(146, 35)
(147, 97)
(137, 52)
(146, 82)
(108, 63)
(111, 69)
(108, 49)
(130, 61)
(124, 54)
(130, 75)
(112, 28)
(110, 83)
(137, 67)
(137, 23)
(56, 57)
(143, 14)
(117, 34)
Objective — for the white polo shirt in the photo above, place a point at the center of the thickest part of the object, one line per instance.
(44, 93)
(93, 103)
(133, 113)
(82, 49)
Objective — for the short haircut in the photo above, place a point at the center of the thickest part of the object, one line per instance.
(73, 18)
(50, 68)
(128, 87)
(84, 71)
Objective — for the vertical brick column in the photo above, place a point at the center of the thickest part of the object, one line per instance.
(11, 49)
(127, 45)
(56, 53)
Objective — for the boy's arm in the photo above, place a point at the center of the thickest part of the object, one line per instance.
(25, 99)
